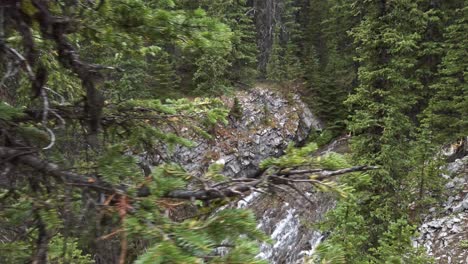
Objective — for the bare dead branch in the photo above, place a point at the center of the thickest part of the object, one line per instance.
(329, 173)
(301, 193)
(54, 170)
(23, 61)
(45, 114)
(322, 173)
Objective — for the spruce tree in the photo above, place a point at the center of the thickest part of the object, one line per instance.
(275, 69)
(386, 40)
(329, 59)
(446, 114)
(283, 63)
(69, 199)
(238, 15)
(410, 96)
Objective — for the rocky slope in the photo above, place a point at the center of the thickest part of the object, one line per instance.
(443, 233)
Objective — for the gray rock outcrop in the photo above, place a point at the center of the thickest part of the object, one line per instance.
(267, 125)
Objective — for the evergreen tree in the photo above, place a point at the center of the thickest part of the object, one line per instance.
(275, 69)
(283, 63)
(399, 49)
(210, 74)
(164, 74)
(105, 209)
(238, 15)
(387, 40)
(329, 59)
(445, 116)
(238, 65)
(81, 83)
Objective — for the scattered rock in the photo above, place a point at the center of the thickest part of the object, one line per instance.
(442, 235)
(465, 203)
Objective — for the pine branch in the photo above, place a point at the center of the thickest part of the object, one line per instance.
(236, 187)
(68, 177)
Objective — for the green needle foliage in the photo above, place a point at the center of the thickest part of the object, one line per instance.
(396, 124)
(284, 65)
(151, 52)
(92, 90)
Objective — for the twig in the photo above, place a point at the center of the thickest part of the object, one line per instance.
(59, 117)
(62, 99)
(326, 174)
(11, 71)
(300, 193)
(294, 172)
(52, 138)
(278, 187)
(25, 63)
(105, 237)
(232, 181)
(123, 247)
(45, 114)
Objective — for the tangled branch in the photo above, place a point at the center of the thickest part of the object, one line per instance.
(231, 188)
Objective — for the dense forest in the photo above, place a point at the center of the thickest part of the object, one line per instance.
(92, 89)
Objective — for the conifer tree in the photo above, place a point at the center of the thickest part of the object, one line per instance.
(400, 111)
(239, 16)
(164, 75)
(102, 75)
(242, 58)
(386, 40)
(446, 114)
(283, 63)
(329, 59)
(275, 69)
